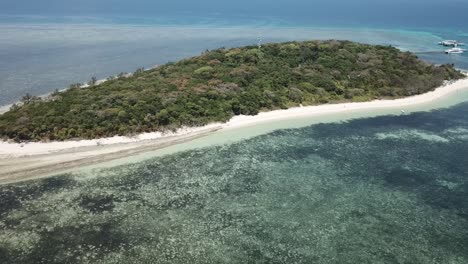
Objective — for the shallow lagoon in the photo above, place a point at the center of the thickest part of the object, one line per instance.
(389, 189)
(39, 57)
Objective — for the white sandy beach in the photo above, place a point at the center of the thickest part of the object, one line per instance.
(272, 116)
(4, 108)
(42, 158)
(38, 148)
(10, 150)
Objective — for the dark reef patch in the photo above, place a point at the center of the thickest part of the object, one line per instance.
(389, 189)
(97, 203)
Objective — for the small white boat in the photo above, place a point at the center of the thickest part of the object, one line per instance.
(455, 51)
(450, 43)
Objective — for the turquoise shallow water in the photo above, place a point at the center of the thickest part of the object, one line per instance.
(41, 54)
(390, 189)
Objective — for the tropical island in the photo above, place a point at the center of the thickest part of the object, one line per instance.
(223, 83)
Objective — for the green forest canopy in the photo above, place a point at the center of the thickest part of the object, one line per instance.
(219, 84)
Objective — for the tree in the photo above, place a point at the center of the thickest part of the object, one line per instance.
(139, 71)
(14, 107)
(204, 72)
(123, 116)
(221, 83)
(75, 85)
(28, 98)
(93, 81)
(55, 92)
(295, 95)
(163, 117)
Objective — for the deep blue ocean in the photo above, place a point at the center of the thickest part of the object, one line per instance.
(50, 45)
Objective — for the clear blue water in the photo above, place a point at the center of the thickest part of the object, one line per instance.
(382, 13)
(390, 189)
(43, 52)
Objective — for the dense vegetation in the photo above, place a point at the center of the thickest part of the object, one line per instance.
(221, 83)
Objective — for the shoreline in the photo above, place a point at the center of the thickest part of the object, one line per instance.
(23, 168)
(6, 108)
(24, 161)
